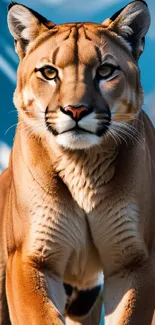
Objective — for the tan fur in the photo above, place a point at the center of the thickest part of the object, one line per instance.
(76, 205)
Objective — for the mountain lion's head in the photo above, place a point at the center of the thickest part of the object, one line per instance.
(79, 83)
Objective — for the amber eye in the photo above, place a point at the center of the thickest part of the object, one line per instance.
(48, 72)
(106, 70)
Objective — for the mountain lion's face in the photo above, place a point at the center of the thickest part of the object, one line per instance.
(77, 83)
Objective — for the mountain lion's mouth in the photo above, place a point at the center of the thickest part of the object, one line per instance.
(78, 130)
(94, 124)
(75, 129)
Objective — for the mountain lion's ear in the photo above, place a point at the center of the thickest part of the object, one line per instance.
(132, 23)
(25, 25)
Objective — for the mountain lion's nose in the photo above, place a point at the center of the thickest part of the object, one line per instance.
(76, 112)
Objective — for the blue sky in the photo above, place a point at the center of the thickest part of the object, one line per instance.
(61, 11)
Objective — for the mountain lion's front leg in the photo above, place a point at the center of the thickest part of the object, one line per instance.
(129, 265)
(5, 179)
(27, 293)
(130, 295)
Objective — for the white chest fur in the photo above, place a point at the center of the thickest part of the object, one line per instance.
(85, 175)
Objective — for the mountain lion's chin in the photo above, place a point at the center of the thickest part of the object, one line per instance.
(77, 140)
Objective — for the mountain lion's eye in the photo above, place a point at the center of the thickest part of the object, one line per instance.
(49, 73)
(106, 70)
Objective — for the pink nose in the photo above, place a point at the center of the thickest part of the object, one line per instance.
(76, 112)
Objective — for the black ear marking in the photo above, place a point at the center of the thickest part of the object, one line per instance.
(41, 18)
(117, 13)
(11, 4)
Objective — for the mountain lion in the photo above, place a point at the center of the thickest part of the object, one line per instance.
(78, 197)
